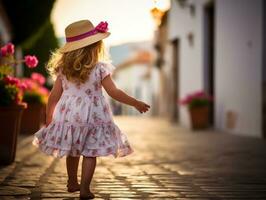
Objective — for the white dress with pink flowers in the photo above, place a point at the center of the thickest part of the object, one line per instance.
(82, 121)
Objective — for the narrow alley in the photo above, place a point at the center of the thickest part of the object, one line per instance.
(168, 162)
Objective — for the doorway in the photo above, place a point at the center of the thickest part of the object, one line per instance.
(209, 53)
(175, 81)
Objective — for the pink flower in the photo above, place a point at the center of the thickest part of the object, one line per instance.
(202, 95)
(94, 152)
(199, 94)
(29, 83)
(95, 100)
(88, 92)
(183, 101)
(31, 61)
(39, 78)
(11, 80)
(22, 86)
(8, 49)
(43, 91)
(195, 96)
(4, 51)
(102, 27)
(186, 100)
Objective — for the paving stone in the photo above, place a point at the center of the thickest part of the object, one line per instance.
(122, 198)
(5, 171)
(164, 195)
(14, 198)
(169, 162)
(13, 191)
(58, 195)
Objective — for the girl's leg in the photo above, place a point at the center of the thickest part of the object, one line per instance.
(88, 167)
(72, 164)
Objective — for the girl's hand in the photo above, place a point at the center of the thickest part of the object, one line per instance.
(121, 96)
(141, 106)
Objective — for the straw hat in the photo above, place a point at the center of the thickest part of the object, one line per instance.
(82, 33)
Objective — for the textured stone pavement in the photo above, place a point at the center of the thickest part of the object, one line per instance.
(169, 162)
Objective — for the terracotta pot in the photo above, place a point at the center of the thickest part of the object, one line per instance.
(33, 118)
(10, 117)
(199, 117)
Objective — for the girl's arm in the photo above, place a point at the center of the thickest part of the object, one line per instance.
(54, 97)
(121, 96)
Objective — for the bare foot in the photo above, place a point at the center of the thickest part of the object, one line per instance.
(73, 187)
(90, 195)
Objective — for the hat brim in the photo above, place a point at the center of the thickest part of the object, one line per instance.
(71, 46)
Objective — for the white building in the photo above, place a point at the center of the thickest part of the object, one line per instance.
(220, 46)
(136, 79)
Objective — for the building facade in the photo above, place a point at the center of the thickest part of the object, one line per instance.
(135, 75)
(219, 46)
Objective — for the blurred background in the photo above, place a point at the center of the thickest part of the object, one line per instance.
(163, 50)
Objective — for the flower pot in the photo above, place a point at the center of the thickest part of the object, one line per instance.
(10, 117)
(199, 117)
(33, 118)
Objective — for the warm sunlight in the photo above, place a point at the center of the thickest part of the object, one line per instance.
(129, 21)
(133, 99)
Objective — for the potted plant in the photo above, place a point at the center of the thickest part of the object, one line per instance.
(11, 104)
(198, 105)
(36, 96)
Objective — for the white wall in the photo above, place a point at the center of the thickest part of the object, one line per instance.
(181, 23)
(132, 81)
(239, 64)
(238, 60)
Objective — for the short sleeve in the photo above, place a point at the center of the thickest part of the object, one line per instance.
(105, 70)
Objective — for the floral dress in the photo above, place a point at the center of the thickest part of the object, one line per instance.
(82, 121)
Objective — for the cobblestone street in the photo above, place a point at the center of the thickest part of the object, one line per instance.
(169, 162)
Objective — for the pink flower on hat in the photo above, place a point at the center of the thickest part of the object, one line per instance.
(31, 61)
(102, 27)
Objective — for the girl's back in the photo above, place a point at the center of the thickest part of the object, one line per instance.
(85, 103)
(82, 120)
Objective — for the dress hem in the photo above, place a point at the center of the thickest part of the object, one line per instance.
(59, 153)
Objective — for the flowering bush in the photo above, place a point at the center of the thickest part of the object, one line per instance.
(11, 88)
(196, 99)
(35, 92)
(8, 50)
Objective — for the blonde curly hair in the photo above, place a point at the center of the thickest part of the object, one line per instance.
(76, 65)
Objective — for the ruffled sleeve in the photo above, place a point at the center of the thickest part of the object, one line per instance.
(105, 69)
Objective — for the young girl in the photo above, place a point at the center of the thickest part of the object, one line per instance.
(78, 118)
